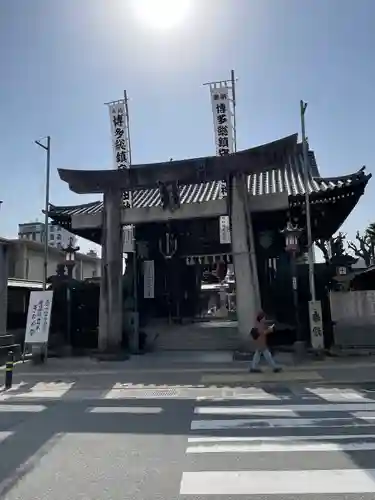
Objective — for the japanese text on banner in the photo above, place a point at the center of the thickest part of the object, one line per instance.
(222, 115)
(222, 120)
(120, 139)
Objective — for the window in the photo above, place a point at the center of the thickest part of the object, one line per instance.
(52, 237)
(58, 236)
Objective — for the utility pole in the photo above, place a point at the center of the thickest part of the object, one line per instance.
(315, 307)
(47, 148)
(135, 266)
(310, 249)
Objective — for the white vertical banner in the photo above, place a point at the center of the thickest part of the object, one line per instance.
(222, 114)
(225, 237)
(120, 139)
(39, 317)
(149, 279)
(316, 325)
(120, 134)
(128, 239)
(221, 102)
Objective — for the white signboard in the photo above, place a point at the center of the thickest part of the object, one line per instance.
(224, 229)
(39, 317)
(128, 239)
(222, 120)
(149, 279)
(316, 324)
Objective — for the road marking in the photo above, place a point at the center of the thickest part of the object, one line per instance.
(335, 395)
(225, 410)
(364, 415)
(257, 393)
(336, 481)
(280, 439)
(41, 390)
(279, 447)
(244, 410)
(21, 408)
(126, 409)
(243, 397)
(4, 435)
(231, 378)
(251, 423)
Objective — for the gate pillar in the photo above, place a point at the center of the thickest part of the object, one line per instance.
(247, 287)
(110, 310)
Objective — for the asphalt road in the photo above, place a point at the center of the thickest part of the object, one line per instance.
(106, 441)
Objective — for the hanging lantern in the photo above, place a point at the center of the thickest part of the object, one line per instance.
(292, 234)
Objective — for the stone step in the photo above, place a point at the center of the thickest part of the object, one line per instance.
(196, 342)
(205, 336)
(6, 340)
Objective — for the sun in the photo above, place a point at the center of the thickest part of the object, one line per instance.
(162, 14)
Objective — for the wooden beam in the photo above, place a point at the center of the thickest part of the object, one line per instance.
(197, 170)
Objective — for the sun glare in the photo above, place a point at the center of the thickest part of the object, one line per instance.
(162, 14)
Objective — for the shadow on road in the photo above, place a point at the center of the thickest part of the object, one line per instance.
(35, 434)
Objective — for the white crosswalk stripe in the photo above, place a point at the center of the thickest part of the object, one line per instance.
(39, 390)
(336, 395)
(10, 408)
(296, 482)
(250, 448)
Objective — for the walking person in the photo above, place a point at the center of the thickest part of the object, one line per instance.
(259, 334)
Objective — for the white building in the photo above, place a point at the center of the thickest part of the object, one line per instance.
(26, 261)
(34, 231)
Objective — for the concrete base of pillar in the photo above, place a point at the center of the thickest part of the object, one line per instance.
(112, 356)
(300, 351)
(319, 354)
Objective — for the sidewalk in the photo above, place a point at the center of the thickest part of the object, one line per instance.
(210, 368)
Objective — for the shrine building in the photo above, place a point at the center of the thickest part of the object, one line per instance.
(177, 211)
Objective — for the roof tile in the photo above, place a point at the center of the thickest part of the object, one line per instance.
(289, 179)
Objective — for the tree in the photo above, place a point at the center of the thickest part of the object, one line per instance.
(334, 250)
(370, 232)
(364, 245)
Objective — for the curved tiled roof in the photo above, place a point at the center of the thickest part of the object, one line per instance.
(286, 179)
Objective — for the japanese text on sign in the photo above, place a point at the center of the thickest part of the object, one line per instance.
(222, 121)
(120, 140)
(38, 318)
(316, 324)
(119, 134)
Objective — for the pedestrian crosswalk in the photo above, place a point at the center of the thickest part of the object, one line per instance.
(78, 390)
(319, 442)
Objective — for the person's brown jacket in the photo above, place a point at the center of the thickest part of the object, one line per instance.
(263, 331)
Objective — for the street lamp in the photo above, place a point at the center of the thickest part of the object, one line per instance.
(47, 148)
(70, 252)
(292, 235)
(168, 248)
(70, 257)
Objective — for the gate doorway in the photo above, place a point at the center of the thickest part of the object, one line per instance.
(214, 287)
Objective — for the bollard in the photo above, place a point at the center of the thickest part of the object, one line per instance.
(9, 370)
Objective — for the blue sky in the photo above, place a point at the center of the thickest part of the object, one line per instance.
(61, 60)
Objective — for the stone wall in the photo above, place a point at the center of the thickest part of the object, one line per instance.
(354, 315)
